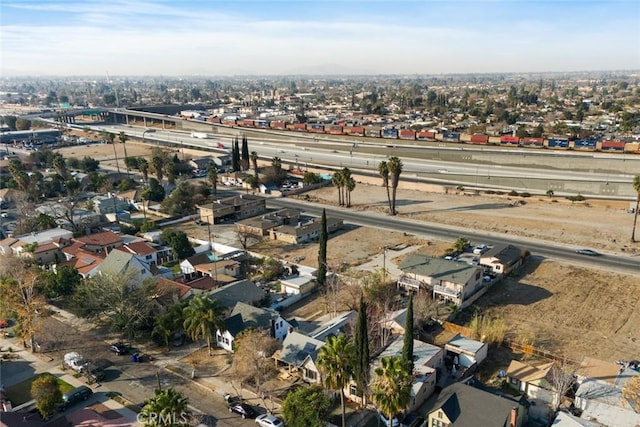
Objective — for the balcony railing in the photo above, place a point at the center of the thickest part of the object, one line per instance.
(446, 291)
(408, 281)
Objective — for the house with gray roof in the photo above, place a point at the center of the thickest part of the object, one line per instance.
(245, 316)
(461, 405)
(119, 263)
(241, 291)
(447, 280)
(502, 259)
(299, 354)
(469, 352)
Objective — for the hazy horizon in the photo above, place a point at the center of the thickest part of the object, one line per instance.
(58, 38)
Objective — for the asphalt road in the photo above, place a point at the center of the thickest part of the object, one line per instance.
(610, 262)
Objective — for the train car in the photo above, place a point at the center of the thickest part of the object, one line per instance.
(509, 140)
(246, 123)
(315, 128)
(558, 143)
(228, 122)
(354, 130)
(532, 142)
(632, 147)
(612, 146)
(262, 124)
(299, 127)
(390, 133)
(451, 137)
(479, 139)
(213, 119)
(334, 129)
(280, 125)
(372, 132)
(426, 136)
(407, 134)
(584, 144)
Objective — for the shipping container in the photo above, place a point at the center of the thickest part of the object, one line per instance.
(213, 120)
(479, 139)
(262, 124)
(558, 143)
(300, 127)
(355, 130)
(372, 132)
(247, 123)
(584, 144)
(228, 122)
(451, 137)
(277, 125)
(612, 146)
(423, 136)
(390, 133)
(335, 130)
(509, 140)
(532, 142)
(315, 128)
(407, 134)
(632, 147)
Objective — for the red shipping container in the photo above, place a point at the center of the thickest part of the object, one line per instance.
(426, 135)
(213, 120)
(278, 125)
(479, 139)
(613, 145)
(357, 130)
(299, 127)
(509, 140)
(247, 122)
(532, 141)
(407, 134)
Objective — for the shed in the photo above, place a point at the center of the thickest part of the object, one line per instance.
(468, 351)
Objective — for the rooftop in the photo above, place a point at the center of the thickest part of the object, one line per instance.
(440, 269)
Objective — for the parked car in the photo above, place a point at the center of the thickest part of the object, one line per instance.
(76, 395)
(74, 361)
(93, 373)
(268, 421)
(118, 348)
(393, 423)
(239, 407)
(480, 249)
(589, 252)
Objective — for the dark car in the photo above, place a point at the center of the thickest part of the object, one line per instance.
(118, 348)
(93, 373)
(589, 252)
(237, 405)
(74, 396)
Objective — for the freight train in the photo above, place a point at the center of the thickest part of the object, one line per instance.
(554, 143)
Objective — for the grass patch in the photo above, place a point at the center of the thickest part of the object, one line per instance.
(21, 393)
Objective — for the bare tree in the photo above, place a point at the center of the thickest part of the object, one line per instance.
(19, 291)
(252, 359)
(380, 294)
(245, 237)
(562, 376)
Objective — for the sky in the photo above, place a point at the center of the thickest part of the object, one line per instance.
(335, 37)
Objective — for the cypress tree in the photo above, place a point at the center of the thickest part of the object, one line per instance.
(235, 155)
(245, 153)
(407, 348)
(322, 251)
(361, 363)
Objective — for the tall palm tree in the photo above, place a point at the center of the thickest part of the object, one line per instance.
(168, 408)
(276, 162)
(335, 362)
(337, 180)
(212, 177)
(60, 165)
(202, 318)
(157, 163)
(111, 137)
(143, 165)
(163, 329)
(391, 386)
(124, 138)
(395, 169)
(351, 185)
(383, 171)
(346, 179)
(254, 162)
(636, 187)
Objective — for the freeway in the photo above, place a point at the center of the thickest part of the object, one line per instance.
(365, 157)
(610, 262)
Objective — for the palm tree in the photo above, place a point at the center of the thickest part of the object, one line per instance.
(395, 169)
(276, 162)
(335, 361)
(636, 187)
(203, 318)
(254, 162)
(212, 177)
(143, 165)
(391, 387)
(60, 165)
(383, 171)
(168, 408)
(112, 137)
(347, 181)
(163, 329)
(157, 163)
(123, 138)
(337, 180)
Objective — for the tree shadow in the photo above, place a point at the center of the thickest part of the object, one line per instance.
(483, 206)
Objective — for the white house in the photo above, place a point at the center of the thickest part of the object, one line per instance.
(468, 351)
(118, 262)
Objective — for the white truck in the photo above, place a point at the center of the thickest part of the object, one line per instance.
(201, 135)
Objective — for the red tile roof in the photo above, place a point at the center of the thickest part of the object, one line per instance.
(103, 238)
(140, 248)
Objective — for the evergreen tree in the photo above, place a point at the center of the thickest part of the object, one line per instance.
(361, 363)
(245, 153)
(322, 251)
(235, 155)
(407, 349)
